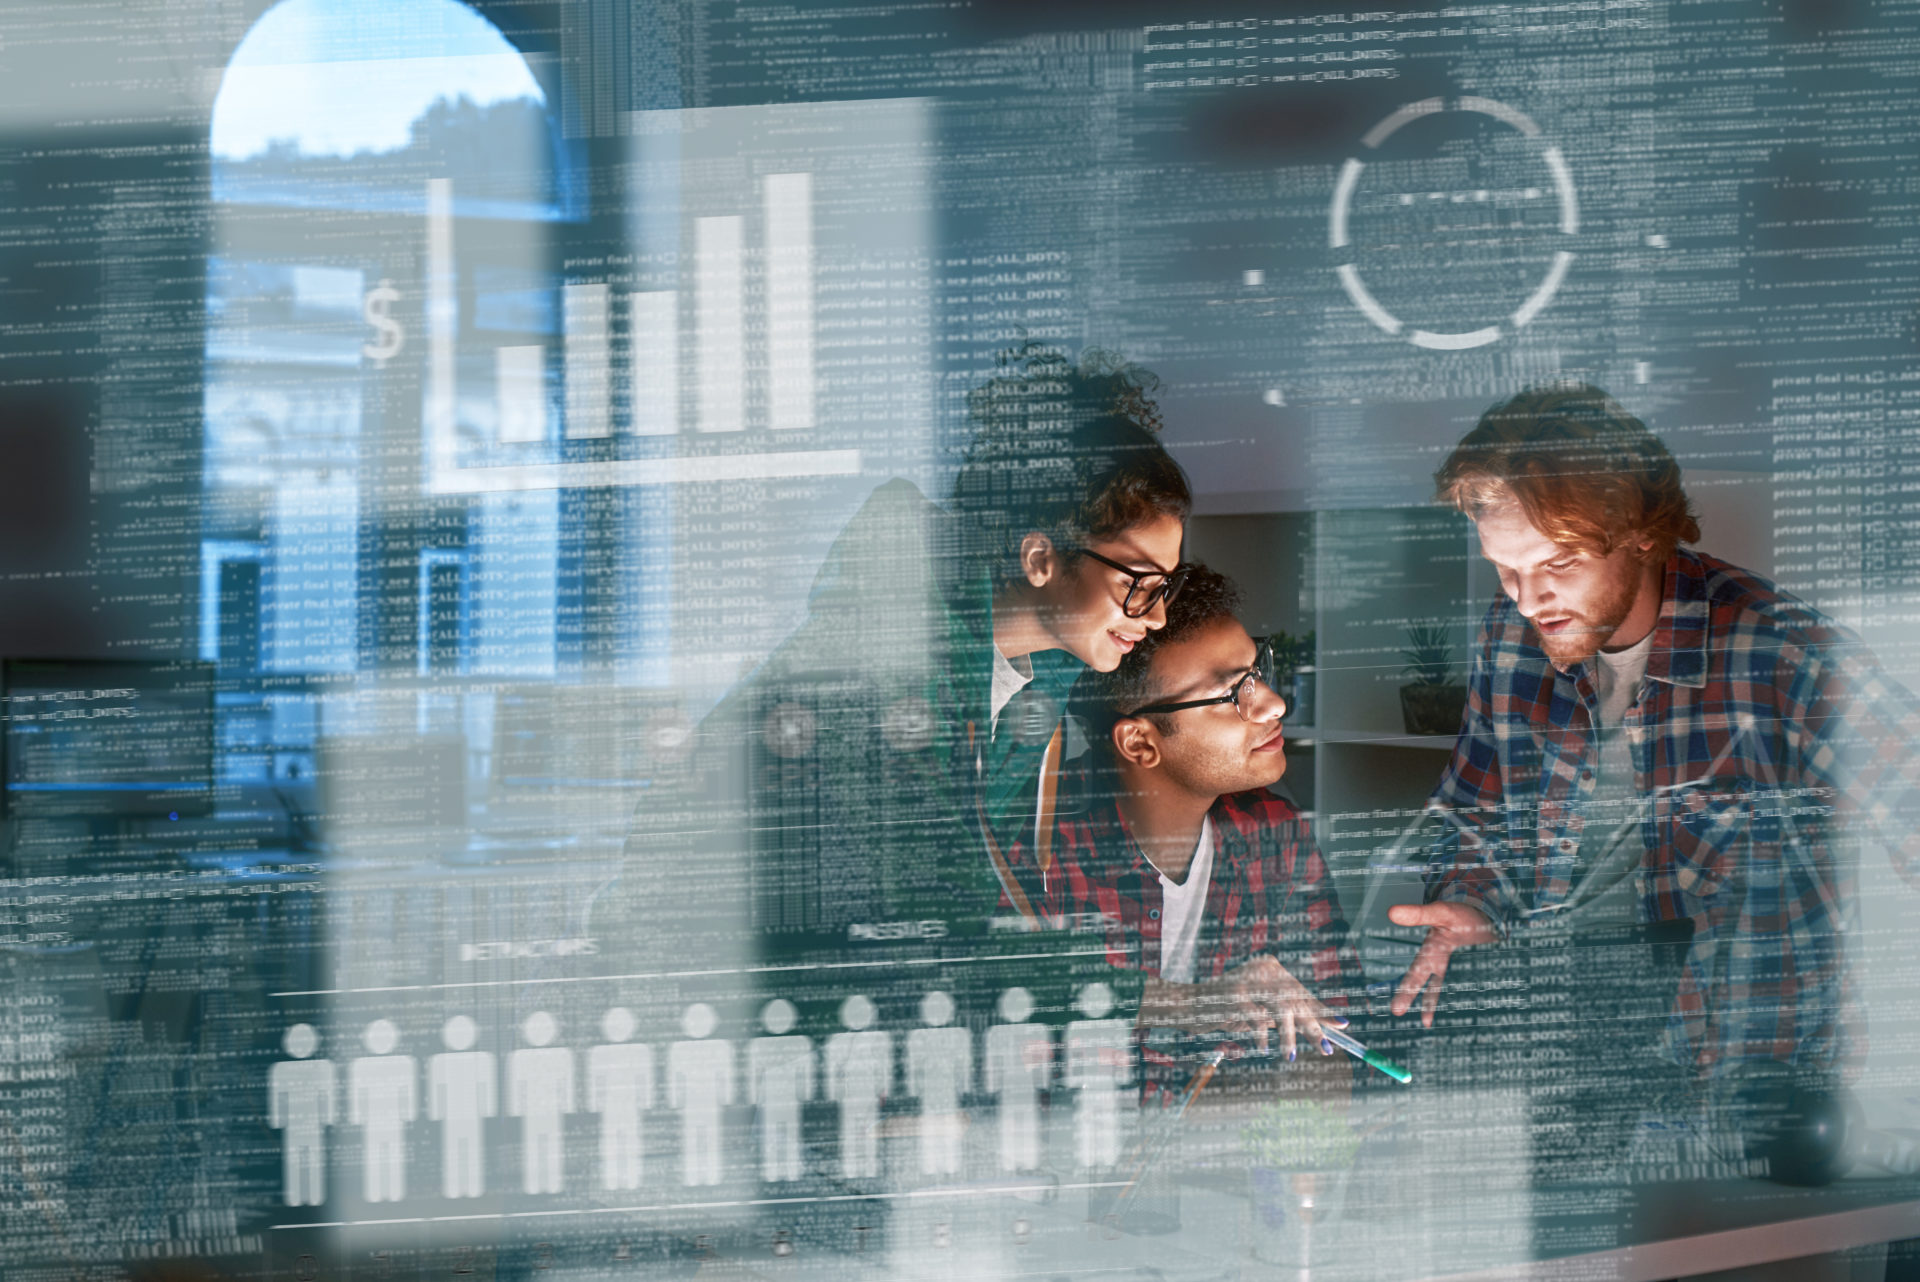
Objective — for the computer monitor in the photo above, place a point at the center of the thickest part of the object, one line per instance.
(107, 738)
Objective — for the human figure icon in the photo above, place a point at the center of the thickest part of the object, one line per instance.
(779, 1080)
(1017, 1063)
(859, 1075)
(383, 1100)
(1099, 1060)
(540, 1093)
(619, 1089)
(700, 1085)
(302, 1101)
(462, 1089)
(939, 1072)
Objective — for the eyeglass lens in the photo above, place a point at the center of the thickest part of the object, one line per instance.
(1143, 593)
(1260, 674)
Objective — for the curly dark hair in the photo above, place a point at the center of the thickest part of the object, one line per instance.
(1102, 698)
(1586, 473)
(1066, 450)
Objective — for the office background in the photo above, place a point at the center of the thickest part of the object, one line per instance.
(418, 413)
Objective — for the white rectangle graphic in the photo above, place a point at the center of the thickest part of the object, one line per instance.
(585, 310)
(653, 339)
(789, 222)
(720, 323)
(520, 393)
(443, 316)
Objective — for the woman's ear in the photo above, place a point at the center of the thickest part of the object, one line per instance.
(1039, 560)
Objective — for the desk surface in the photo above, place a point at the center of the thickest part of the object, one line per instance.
(1479, 1221)
(1688, 1229)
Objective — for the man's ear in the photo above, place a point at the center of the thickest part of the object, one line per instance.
(1039, 560)
(1136, 741)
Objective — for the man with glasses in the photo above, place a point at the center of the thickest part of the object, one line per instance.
(1205, 881)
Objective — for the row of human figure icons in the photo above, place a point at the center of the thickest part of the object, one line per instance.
(702, 1079)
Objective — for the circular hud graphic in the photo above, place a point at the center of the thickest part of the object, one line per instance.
(1449, 211)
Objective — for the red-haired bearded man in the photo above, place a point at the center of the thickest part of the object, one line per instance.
(1660, 749)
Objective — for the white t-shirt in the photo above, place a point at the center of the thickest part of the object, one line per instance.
(1182, 907)
(1616, 679)
(1611, 847)
(1010, 677)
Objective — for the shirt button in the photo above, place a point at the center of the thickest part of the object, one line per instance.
(1564, 845)
(1153, 914)
(1586, 776)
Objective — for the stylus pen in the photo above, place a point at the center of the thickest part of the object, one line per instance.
(1199, 1081)
(1353, 1047)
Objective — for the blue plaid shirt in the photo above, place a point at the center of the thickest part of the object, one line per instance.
(1765, 741)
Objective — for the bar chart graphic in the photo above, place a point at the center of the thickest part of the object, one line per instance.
(742, 218)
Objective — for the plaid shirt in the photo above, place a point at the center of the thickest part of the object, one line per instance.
(1270, 891)
(1765, 740)
(1269, 894)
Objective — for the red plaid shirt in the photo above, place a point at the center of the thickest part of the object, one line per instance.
(1270, 892)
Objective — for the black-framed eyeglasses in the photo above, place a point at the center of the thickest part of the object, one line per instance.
(1240, 696)
(1144, 587)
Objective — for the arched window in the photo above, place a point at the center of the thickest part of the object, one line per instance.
(335, 100)
(385, 173)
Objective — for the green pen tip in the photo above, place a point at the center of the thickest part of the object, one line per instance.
(1388, 1067)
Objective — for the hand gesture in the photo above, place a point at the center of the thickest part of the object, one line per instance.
(1256, 997)
(1449, 926)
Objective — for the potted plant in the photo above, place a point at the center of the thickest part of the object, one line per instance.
(1293, 660)
(1434, 701)
(1300, 1153)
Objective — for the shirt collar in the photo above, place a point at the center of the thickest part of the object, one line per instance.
(1680, 638)
(1013, 672)
(1115, 847)
(1006, 678)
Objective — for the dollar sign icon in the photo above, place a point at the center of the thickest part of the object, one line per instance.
(392, 337)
